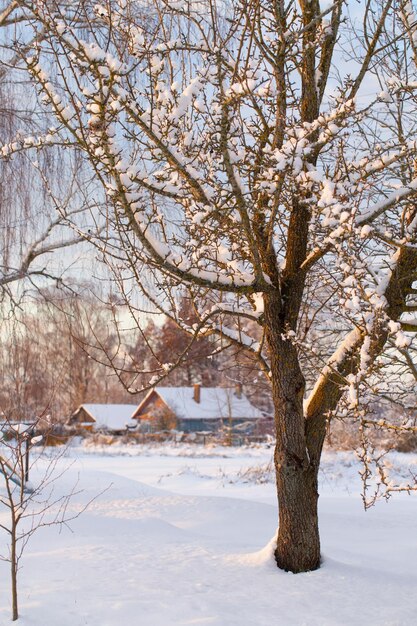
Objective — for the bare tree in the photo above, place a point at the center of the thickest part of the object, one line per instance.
(30, 506)
(242, 167)
(49, 361)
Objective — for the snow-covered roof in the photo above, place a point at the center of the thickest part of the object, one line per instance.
(215, 403)
(110, 416)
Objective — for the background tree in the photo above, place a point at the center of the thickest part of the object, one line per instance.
(47, 358)
(241, 167)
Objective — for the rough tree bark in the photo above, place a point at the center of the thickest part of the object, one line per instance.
(298, 545)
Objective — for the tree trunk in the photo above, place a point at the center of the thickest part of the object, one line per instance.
(13, 565)
(298, 544)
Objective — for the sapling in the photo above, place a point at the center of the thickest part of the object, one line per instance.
(27, 506)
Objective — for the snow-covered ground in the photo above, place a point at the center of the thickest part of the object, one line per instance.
(180, 536)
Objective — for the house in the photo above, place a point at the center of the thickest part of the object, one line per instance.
(113, 418)
(12, 427)
(196, 409)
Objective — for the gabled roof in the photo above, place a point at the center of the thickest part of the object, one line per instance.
(110, 416)
(215, 403)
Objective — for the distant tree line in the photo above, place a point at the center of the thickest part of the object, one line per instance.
(59, 351)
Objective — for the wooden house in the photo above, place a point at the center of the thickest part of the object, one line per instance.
(110, 418)
(196, 409)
